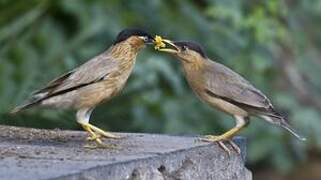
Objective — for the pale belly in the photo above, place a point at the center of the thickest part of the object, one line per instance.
(223, 105)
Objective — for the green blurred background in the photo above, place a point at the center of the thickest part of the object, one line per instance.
(275, 44)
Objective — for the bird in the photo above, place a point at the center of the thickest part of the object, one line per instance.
(224, 89)
(96, 81)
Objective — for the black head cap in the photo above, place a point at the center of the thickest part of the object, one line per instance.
(191, 45)
(126, 33)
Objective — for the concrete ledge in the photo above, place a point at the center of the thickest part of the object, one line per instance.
(54, 154)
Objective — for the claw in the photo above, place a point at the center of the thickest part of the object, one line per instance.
(224, 147)
(95, 134)
(103, 133)
(93, 137)
(220, 141)
(235, 147)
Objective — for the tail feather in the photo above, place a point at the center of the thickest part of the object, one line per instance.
(23, 107)
(288, 127)
(281, 121)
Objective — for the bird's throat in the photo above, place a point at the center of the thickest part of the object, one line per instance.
(124, 51)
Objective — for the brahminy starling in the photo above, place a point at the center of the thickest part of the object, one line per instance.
(224, 89)
(94, 82)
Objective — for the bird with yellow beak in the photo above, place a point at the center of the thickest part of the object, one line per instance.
(94, 82)
(222, 88)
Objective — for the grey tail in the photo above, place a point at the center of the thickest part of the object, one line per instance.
(24, 107)
(278, 119)
(288, 127)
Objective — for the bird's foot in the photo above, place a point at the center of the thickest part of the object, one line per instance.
(226, 149)
(103, 133)
(98, 143)
(93, 137)
(96, 132)
(212, 138)
(220, 141)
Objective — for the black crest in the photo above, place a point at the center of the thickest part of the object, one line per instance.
(193, 46)
(126, 33)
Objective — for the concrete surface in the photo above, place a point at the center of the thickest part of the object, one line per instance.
(56, 154)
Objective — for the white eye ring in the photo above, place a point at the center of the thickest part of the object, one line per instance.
(144, 38)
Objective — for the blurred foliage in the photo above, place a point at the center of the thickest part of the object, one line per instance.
(275, 44)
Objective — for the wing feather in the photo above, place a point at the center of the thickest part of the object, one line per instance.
(93, 71)
(232, 87)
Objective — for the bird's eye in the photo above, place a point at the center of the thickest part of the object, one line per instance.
(144, 38)
(184, 48)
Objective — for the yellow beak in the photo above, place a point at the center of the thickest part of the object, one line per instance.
(160, 45)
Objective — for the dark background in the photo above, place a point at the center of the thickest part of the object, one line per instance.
(275, 44)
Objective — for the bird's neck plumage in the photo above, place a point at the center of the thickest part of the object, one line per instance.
(124, 51)
(193, 65)
(125, 56)
(194, 73)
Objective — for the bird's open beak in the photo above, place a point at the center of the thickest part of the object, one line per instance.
(165, 45)
(149, 41)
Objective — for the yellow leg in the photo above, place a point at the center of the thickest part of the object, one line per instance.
(241, 122)
(225, 137)
(102, 132)
(94, 135)
(229, 134)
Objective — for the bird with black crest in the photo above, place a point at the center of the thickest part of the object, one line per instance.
(224, 89)
(94, 82)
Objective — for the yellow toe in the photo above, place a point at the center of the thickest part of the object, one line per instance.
(211, 138)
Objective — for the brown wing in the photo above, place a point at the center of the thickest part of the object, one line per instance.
(94, 70)
(224, 83)
(52, 85)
